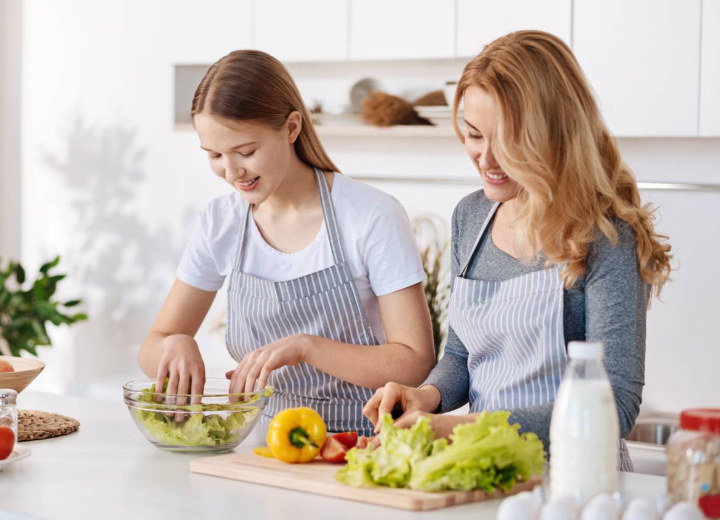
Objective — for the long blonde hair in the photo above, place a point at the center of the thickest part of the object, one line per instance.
(552, 141)
(253, 86)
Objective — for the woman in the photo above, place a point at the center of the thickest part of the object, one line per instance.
(556, 247)
(324, 298)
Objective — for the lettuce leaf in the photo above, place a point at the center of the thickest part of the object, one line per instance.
(486, 454)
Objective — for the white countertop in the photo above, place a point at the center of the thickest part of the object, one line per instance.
(109, 470)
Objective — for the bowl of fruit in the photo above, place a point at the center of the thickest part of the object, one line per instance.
(17, 373)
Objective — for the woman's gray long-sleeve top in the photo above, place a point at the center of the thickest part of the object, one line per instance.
(607, 304)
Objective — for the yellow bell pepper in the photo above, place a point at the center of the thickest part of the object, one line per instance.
(296, 435)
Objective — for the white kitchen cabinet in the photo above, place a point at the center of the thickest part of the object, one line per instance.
(402, 29)
(311, 30)
(710, 70)
(681, 327)
(481, 21)
(195, 33)
(642, 59)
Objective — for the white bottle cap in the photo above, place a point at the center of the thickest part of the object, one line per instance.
(585, 350)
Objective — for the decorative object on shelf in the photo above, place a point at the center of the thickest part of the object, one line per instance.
(432, 238)
(360, 91)
(438, 115)
(316, 107)
(383, 109)
(436, 98)
(25, 312)
(449, 92)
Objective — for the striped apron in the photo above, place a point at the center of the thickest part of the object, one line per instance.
(324, 303)
(514, 333)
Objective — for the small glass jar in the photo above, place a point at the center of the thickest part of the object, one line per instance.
(8, 410)
(693, 460)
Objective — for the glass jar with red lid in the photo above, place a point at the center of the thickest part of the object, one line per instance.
(693, 460)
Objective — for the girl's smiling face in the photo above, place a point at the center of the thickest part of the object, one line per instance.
(252, 157)
(481, 120)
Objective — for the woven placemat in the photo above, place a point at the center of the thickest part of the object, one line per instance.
(34, 425)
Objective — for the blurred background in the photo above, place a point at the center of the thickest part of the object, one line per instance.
(99, 165)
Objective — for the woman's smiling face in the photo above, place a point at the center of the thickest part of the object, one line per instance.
(252, 157)
(481, 120)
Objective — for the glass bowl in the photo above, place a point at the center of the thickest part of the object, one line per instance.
(215, 421)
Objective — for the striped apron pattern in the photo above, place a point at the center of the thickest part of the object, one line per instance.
(324, 303)
(514, 333)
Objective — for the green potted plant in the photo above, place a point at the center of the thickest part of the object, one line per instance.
(25, 312)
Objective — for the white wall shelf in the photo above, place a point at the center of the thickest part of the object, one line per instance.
(361, 130)
(390, 131)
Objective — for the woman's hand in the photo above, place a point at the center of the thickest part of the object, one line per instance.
(182, 364)
(411, 400)
(442, 424)
(169, 350)
(255, 368)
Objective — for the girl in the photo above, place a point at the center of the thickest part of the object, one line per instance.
(556, 246)
(324, 297)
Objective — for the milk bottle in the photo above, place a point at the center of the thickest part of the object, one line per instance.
(584, 428)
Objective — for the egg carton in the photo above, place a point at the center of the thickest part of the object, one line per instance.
(534, 505)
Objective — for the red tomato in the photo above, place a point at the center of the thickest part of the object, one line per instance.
(333, 450)
(7, 442)
(348, 439)
(362, 442)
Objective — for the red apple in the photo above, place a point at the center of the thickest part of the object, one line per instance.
(5, 366)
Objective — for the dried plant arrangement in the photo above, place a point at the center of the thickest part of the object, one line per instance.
(432, 237)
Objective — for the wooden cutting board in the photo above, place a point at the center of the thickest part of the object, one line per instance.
(319, 477)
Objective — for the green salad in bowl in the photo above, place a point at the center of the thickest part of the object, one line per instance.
(214, 421)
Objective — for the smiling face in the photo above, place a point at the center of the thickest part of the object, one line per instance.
(481, 120)
(252, 157)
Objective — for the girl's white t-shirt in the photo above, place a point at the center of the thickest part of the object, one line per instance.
(375, 233)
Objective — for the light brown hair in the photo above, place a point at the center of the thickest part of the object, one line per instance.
(251, 85)
(552, 141)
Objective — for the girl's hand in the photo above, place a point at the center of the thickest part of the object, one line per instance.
(255, 368)
(182, 364)
(411, 400)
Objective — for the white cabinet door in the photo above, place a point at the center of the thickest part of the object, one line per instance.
(710, 70)
(402, 29)
(481, 21)
(682, 342)
(199, 33)
(311, 30)
(642, 59)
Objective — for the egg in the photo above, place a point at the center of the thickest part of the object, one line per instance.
(532, 500)
(641, 508)
(516, 508)
(601, 507)
(559, 509)
(684, 511)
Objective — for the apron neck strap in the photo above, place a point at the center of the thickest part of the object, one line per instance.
(243, 235)
(328, 214)
(331, 223)
(489, 217)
